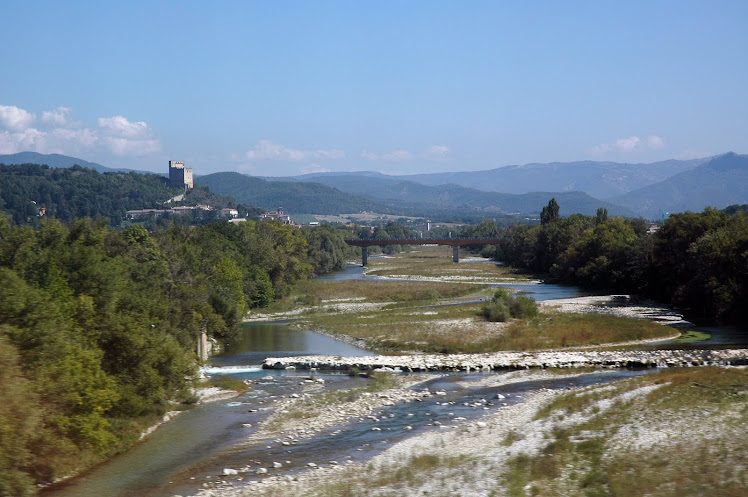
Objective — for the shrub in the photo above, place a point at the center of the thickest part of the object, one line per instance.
(496, 311)
(504, 306)
(523, 307)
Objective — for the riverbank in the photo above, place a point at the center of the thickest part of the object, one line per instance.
(558, 442)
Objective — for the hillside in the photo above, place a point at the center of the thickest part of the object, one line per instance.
(30, 191)
(720, 182)
(294, 197)
(410, 195)
(55, 160)
(598, 179)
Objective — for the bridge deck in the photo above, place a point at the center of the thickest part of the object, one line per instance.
(453, 242)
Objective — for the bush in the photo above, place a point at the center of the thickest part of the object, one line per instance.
(523, 307)
(496, 311)
(504, 306)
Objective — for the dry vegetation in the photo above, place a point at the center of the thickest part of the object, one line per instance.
(411, 315)
(679, 432)
(436, 262)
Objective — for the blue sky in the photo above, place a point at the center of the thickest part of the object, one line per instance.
(283, 87)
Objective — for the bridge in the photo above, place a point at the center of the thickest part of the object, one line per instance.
(455, 243)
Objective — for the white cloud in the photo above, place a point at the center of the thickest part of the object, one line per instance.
(600, 149)
(434, 152)
(28, 139)
(437, 152)
(14, 118)
(655, 141)
(267, 150)
(62, 135)
(83, 137)
(121, 127)
(58, 117)
(630, 144)
(124, 137)
(314, 168)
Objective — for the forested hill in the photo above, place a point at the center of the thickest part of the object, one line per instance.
(78, 192)
(98, 328)
(294, 197)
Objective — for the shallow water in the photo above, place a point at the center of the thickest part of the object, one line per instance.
(357, 440)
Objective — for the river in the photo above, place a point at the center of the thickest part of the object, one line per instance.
(193, 448)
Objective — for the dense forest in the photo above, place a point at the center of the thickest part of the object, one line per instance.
(296, 197)
(98, 327)
(29, 192)
(697, 261)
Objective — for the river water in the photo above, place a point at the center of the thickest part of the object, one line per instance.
(192, 449)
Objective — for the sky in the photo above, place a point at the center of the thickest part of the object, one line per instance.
(280, 88)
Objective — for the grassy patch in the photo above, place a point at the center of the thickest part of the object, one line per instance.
(702, 410)
(226, 383)
(321, 292)
(461, 329)
(693, 336)
(559, 330)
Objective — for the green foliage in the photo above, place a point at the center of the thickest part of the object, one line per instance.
(696, 260)
(327, 250)
(550, 212)
(19, 421)
(504, 306)
(98, 328)
(77, 192)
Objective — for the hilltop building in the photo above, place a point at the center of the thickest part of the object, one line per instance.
(179, 175)
(279, 215)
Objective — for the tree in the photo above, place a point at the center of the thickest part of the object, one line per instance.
(550, 212)
(602, 215)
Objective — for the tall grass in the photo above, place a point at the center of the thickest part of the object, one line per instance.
(424, 330)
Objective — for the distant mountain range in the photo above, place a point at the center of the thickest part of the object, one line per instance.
(404, 194)
(624, 189)
(599, 179)
(720, 182)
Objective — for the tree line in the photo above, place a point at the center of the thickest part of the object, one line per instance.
(696, 261)
(98, 327)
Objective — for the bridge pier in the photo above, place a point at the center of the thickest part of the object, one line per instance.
(364, 256)
(455, 254)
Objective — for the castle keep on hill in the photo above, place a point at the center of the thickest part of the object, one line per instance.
(179, 175)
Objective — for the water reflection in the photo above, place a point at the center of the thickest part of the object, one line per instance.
(258, 341)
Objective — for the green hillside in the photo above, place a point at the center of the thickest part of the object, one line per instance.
(29, 192)
(294, 197)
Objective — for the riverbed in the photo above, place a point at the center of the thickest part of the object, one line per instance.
(192, 452)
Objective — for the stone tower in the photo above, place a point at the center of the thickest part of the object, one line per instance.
(179, 175)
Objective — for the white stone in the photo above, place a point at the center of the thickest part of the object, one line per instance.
(229, 472)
